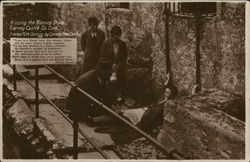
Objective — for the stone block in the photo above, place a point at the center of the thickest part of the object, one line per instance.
(21, 117)
(197, 128)
(227, 102)
(42, 127)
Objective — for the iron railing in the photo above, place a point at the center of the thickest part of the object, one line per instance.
(171, 153)
(190, 9)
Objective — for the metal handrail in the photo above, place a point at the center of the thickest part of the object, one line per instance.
(62, 113)
(172, 153)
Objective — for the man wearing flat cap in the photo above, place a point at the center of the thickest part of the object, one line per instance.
(96, 83)
(91, 41)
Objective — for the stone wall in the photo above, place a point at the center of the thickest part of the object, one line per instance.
(222, 49)
(76, 16)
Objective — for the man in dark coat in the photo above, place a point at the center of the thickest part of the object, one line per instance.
(91, 41)
(95, 83)
(115, 49)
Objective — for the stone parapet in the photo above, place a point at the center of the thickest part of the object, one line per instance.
(197, 127)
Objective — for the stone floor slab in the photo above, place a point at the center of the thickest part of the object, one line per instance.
(50, 88)
(41, 72)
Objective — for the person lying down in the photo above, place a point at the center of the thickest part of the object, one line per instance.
(145, 118)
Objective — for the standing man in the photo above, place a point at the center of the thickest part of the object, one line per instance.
(115, 49)
(91, 41)
(96, 83)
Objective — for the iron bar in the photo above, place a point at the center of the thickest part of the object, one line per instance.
(75, 139)
(37, 88)
(64, 115)
(106, 20)
(167, 50)
(14, 77)
(197, 50)
(138, 130)
(183, 15)
(179, 8)
(173, 7)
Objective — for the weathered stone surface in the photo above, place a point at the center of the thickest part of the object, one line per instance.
(139, 149)
(222, 50)
(21, 116)
(195, 127)
(34, 139)
(225, 101)
(42, 126)
(182, 52)
(50, 88)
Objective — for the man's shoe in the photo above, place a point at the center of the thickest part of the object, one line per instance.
(106, 129)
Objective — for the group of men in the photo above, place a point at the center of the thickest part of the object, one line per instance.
(102, 74)
(103, 77)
